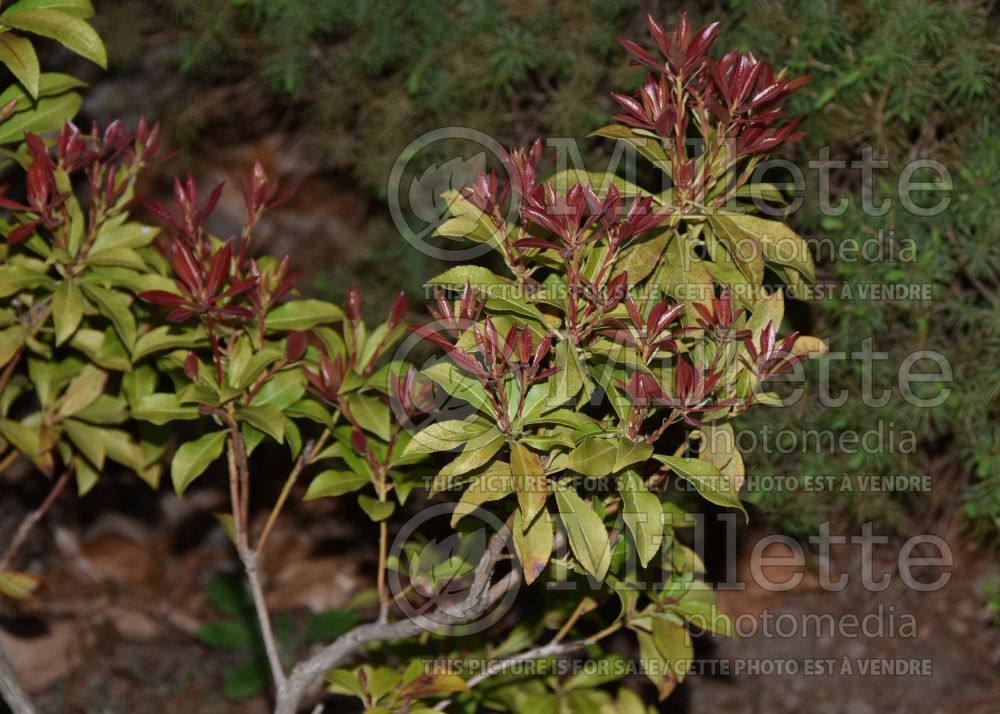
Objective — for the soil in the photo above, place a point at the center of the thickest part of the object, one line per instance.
(113, 631)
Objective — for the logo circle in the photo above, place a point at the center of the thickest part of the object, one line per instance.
(424, 194)
(422, 597)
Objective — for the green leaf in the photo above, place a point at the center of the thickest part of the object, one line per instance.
(492, 484)
(227, 595)
(49, 84)
(267, 418)
(21, 437)
(376, 510)
(243, 372)
(779, 243)
(371, 414)
(166, 337)
(445, 436)
(309, 409)
(328, 626)
(11, 340)
(163, 408)
(77, 8)
(588, 538)
(459, 385)
(282, 390)
(225, 635)
(117, 307)
(67, 309)
(641, 259)
(82, 391)
(87, 439)
(247, 680)
(528, 478)
(477, 452)
(194, 457)
(643, 515)
(646, 146)
(19, 586)
(674, 644)
(19, 56)
(86, 477)
(571, 375)
(534, 544)
(14, 278)
(345, 682)
(596, 456)
(747, 257)
(706, 477)
(335, 483)
(302, 315)
(657, 668)
(105, 410)
(71, 32)
(631, 452)
(49, 114)
(457, 278)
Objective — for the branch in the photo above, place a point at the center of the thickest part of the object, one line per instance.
(481, 595)
(499, 666)
(36, 515)
(250, 567)
(10, 689)
(239, 484)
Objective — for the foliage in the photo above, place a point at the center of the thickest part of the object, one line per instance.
(912, 80)
(575, 398)
(239, 631)
(41, 101)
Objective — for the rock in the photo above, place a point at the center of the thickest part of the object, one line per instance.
(41, 661)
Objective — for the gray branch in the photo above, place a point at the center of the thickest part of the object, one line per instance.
(10, 689)
(307, 674)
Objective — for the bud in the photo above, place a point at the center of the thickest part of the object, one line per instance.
(353, 307)
(295, 346)
(191, 366)
(397, 313)
(358, 441)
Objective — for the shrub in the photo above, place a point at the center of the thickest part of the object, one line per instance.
(571, 399)
(931, 70)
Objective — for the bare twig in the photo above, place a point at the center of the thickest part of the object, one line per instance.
(383, 553)
(10, 690)
(250, 567)
(239, 482)
(32, 518)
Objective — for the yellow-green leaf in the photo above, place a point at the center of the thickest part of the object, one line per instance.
(67, 310)
(194, 457)
(19, 56)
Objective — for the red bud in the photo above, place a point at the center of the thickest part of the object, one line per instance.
(295, 346)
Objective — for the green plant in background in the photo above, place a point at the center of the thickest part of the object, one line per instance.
(912, 80)
(42, 101)
(240, 631)
(578, 391)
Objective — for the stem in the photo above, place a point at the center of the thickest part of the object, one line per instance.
(239, 484)
(568, 625)
(10, 458)
(250, 566)
(383, 554)
(8, 371)
(305, 458)
(10, 689)
(32, 518)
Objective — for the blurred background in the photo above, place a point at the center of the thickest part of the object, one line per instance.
(329, 94)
